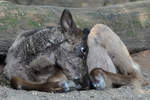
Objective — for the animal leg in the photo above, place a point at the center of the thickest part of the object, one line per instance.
(56, 83)
(102, 79)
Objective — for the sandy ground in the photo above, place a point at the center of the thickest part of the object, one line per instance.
(123, 93)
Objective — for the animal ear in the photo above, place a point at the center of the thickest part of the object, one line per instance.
(66, 21)
(86, 32)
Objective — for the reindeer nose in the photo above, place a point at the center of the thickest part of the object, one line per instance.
(84, 82)
(77, 80)
(77, 83)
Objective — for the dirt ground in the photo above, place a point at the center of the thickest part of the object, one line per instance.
(123, 93)
(143, 59)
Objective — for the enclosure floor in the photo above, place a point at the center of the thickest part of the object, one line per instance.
(123, 93)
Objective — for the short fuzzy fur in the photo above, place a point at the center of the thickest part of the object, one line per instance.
(37, 56)
(115, 53)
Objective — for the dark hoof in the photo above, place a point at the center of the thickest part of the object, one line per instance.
(65, 86)
(68, 85)
(97, 79)
(99, 84)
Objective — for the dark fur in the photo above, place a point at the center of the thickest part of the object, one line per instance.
(37, 55)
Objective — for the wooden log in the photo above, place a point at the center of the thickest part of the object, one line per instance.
(130, 21)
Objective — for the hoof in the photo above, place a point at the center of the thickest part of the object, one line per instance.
(68, 86)
(99, 84)
(97, 79)
(65, 86)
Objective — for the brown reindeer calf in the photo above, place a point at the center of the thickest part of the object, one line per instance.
(48, 59)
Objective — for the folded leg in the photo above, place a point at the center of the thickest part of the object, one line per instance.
(56, 83)
(109, 44)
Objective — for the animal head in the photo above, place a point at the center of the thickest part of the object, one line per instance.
(72, 53)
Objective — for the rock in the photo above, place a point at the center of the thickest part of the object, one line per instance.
(70, 3)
